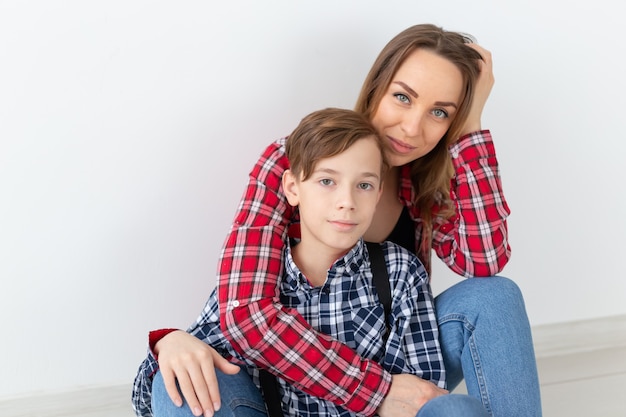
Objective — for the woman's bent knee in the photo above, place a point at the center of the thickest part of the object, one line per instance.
(453, 405)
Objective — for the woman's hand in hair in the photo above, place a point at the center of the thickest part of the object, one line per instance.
(483, 89)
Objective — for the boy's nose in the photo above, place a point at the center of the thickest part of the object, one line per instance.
(346, 199)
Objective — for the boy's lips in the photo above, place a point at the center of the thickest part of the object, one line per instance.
(343, 224)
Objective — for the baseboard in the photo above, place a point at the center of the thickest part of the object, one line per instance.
(550, 340)
(580, 336)
(112, 400)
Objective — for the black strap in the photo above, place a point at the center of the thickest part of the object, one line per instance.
(381, 277)
(269, 384)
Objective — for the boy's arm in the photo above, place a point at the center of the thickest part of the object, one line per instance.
(142, 386)
(415, 322)
(258, 326)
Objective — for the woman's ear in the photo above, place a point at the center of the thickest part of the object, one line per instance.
(290, 187)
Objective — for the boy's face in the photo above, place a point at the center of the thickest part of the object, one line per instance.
(337, 202)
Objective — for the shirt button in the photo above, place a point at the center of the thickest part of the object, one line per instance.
(235, 303)
(455, 154)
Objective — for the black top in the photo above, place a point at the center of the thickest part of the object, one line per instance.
(403, 233)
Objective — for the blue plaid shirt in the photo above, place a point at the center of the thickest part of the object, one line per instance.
(347, 308)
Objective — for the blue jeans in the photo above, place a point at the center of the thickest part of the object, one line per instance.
(485, 337)
(453, 405)
(240, 398)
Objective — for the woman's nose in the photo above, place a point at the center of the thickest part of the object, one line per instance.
(412, 123)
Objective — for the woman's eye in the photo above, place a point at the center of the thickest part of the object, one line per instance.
(440, 113)
(402, 97)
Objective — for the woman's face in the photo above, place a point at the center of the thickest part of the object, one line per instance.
(419, 105)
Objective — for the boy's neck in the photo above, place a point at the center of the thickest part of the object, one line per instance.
(314, 263)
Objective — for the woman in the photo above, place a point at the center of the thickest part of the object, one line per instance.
(424, 94)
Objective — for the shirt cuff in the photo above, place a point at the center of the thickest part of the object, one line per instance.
(156, 335)
(372, 391)
(471, 147)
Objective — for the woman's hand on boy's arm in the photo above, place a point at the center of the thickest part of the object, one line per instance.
(185, 358)
(407, 395)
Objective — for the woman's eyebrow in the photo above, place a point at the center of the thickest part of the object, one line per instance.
(446, 104)
(407, 88)
(414, 94)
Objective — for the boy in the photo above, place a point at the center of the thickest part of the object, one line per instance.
(337, 163)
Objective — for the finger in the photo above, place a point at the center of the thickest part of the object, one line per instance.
(210, 379)
(438, 392)
(484, 53)
(169, 380)
(224, 365)
(187, 388)
(201, 389)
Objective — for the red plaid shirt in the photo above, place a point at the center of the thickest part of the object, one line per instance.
(473, 243)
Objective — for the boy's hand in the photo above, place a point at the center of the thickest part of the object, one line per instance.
(407, 395)
(185, 358)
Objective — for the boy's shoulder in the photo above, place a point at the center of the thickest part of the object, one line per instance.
(391, 248)
(400, 258)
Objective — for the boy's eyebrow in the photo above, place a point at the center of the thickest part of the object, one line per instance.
(414, 94)
(366, 174)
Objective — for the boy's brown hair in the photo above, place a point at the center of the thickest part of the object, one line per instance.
(326, 133)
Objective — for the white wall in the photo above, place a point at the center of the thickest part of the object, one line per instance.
(127, 129)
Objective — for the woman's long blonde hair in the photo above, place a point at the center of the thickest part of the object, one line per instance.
(430, 174)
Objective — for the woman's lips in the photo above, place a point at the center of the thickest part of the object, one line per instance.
(400, 147)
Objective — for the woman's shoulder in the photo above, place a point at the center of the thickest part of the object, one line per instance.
(273, 160)
(275, 150)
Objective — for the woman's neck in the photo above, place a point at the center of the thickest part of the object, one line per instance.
(388, 209)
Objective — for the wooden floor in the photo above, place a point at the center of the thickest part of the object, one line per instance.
(582, 370)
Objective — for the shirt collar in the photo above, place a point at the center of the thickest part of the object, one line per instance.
(353, 260)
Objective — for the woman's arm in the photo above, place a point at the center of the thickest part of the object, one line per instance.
(254, 321)
(474, 243)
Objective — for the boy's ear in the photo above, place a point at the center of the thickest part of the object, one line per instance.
(290, 187)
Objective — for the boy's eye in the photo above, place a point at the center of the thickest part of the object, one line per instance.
(365, 186)
(402, 97)
(326, 181)
(440, 113)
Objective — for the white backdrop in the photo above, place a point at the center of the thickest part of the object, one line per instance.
(127, 129)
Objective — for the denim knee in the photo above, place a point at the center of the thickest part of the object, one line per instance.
(471, 297)
(453, 405)
(239, 398)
